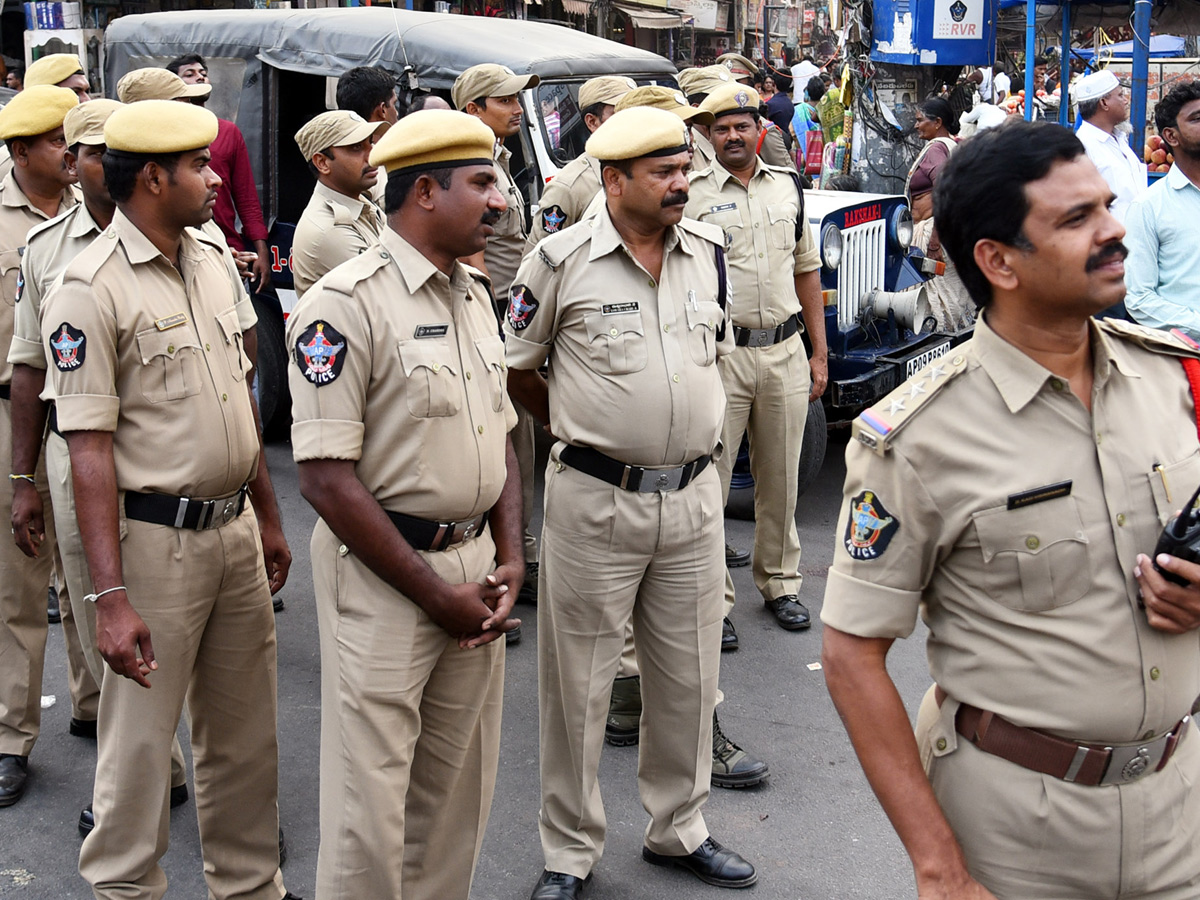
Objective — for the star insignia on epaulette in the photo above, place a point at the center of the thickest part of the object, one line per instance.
(897, 405)
(936, 372)
(918, 387)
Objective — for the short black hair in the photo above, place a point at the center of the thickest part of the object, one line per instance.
(180, 61)
(363, 88)
(596, 109)
(843, 181)
(937, 108)
(121, 170)
(697, 99)
(481, 102)
(1166, 114)
(624, 166)
(980, 192)
(399, 186)
(816, 88)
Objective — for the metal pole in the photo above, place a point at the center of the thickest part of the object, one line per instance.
(1141, 72)
(1064, 68)
(1030, 29)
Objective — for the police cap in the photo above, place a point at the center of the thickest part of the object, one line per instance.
(665, 98)
(703, 81)
(488, 80)
(52, 69)
(157, 84)
(434, 139)
(85, 123)
(731, 98)
(637, 132)
(159, 127)
(36, 110)
(738, 65)
(336, 128)
(605, 89)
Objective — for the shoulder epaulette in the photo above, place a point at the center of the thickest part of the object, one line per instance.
(554, 249)
(706, 230)
(572, 171)
(207, 239)
(342, 278)
(92, 257)
(878, 426)
(1172, 343)
(49, 224)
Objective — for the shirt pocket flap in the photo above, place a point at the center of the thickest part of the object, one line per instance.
(707, 314)
(1173, 484)
(9, 260)
(491, 351)
(426, 354)
(612, 326)
(781, 212)
(1031, 530)
(228, 322)
(153, 343)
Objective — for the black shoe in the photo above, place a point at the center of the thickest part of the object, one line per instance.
(14, 773)
(790, 613)
(529, 589)
(277, 603)
(53, 613)
(87, 821)
(84, 728)
(711, 863)
(179, 795)
(282, 849)
(290, 896)
(559, 886)
(735, 558)
(733, 767)
(512, 637)
(623, 725)
(729, 638)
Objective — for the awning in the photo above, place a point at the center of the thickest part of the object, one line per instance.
(647, 18)
(578, 7)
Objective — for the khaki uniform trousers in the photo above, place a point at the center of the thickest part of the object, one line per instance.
(410, 732)
(23, 624)
(766, 394)
(1029, 836)
(609, 556)
(75, 583)
(205, 598)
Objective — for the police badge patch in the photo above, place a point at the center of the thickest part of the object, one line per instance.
(870, 528)
(522, 307)
(69, 346)
(552, 219)
(320, 353)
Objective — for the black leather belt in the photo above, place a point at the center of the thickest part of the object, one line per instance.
(632, 478)
(184, 512)
(424, 534)
(5, 391)
(54, 420)
(766, 337)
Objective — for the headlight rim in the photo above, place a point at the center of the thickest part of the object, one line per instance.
(831, 250)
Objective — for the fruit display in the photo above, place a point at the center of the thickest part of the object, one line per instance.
(1014, 104)
(1157, 155)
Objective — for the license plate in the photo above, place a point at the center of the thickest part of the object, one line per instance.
(918, 362)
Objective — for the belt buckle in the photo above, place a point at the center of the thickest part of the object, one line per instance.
(464, 531)
(229, 512)
(760, 337)
(208, 509)
(1126, 764)
(664, 480)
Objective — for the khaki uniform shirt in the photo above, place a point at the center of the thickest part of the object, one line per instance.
(759, 222)
(774, 151)
(566, 197)
(153, 353)
(983, 495)
(17, 216)
(507, 245)
(703, 154)
(632, 361)
(6, 161)
(332, 229)
(401, 369)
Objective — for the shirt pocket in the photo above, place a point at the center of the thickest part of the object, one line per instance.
(782, 222)
(1036, 558)
(617, 344)
(431, 372)
(703, 322)
(10, 262)
(170, 364)
(491, 351)
(730, 222)
(235, 349)
(1173, 484)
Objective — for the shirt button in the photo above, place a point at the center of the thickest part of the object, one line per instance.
(383, 254)
(1032, 542)
(941, 743)
(558, 467)
(1056, 384)
(468, 376)
(760, 256)
(675, 378)
(958, 360)
(651, 283)
(613, 332)
(480, 429)
(170, 348)
(224, 396)
(206, 347)
(1099, 437)
(343, 550)
(755, 224)
(667, 328)
(1155, 674)
(1120, 518)
(437, 367)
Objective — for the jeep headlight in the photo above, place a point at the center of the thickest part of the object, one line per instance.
(900, 228)
(831, 246)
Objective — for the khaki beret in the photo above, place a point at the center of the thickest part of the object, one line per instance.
(159, 126)
(488, 80)
(36, 110)
(732, 98)
(85, 123)
(157, 84)
(738, 65)
(703, 81)
(434, 139)
(336, 128)
(605, 89)
(52, 69)
(637, 132)
(665, 98)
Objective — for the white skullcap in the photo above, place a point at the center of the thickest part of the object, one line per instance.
(1094, 86)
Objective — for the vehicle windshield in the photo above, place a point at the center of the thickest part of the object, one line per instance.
(562, 122)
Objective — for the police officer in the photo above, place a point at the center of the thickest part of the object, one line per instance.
(1011, 495)
(571, 191)
(400, 423)
(628, 307)
(341, 220)
(61, 70)
(37, 189)
(731, 67)
(149, 379)
(490, 93)
(775, 274)
(696, 84)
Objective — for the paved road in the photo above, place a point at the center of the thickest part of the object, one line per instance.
(814, 831)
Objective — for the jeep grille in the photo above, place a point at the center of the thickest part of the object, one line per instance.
(861, 271)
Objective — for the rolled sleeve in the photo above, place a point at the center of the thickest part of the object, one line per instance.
(807, 258)
(868, 610)
(26, 348)
(85, 395)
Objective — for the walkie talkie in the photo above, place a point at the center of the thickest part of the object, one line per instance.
(1181, 538)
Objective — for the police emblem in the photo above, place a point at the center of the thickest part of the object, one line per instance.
(870, 528)
(319, 353)
(70, 346)
(742, 98)
(522, 307)
(552, 219)
(958, 11)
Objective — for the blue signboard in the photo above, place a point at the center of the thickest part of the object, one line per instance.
(934, 32)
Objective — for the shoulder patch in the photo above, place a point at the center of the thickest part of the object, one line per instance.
(522, 307)
(1172, 343)
(869, 527)
(68, 347)
(320, 353)
(553, 218)
(877, 427)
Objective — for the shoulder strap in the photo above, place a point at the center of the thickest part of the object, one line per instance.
(762, 136)
(722, 299)
(1191, 368)
(800, 199)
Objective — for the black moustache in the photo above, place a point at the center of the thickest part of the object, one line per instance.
(679, 199)
(1115, 250)
(491, 217)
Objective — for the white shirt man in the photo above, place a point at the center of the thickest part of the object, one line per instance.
(1103, 105)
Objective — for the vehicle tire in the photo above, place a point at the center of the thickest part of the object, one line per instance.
(270, 373)
(740, 504)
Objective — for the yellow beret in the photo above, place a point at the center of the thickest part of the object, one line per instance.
(157, 84)
(52, 69)
(85, 123)
(488, 80)
(665, 98)
(336, 128)
(160, 126)
(637, 132)
(36, 110)
(434, 139)
(738, 65)
(605, 89)
(732, 98)
(703, 81)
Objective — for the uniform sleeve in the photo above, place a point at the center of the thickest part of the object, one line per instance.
(774, 150)
(530, 323)
(247, 317)
(807, 257)
(79, 331)
(886, 547)
(329, 369)
(555, 212)
(26, 348)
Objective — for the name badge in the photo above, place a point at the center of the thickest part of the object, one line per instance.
(616, 309)
(170, 322)
(432, 331)
(722, 208)
(1039, 495)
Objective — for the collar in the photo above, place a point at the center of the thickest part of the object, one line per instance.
(415, 268)
(1178, 180)
(82, 224)
(606, 238)
(330, 196)
(138, 247)
(1096, 132)
(12, 196)
(724, 176)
